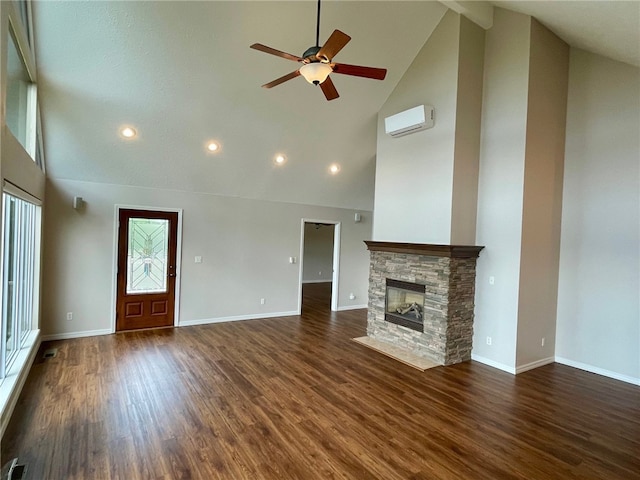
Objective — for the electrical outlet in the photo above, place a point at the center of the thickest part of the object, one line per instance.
(262, 301)
(69, 316)
(319, 274)
(492, 280)
(542, 342)
(198, 259)
(489, 341)
(352, 296)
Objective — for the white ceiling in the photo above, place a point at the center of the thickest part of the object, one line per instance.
(608, 28)
(182, 73)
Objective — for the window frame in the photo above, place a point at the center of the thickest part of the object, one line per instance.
(17, 35)
(25, 231)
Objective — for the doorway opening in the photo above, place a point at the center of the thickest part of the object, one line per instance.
(147, 247)
(319, 263)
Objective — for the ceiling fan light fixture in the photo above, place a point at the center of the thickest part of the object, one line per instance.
(316, 72)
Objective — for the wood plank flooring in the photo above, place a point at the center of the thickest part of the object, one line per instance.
(296, 398)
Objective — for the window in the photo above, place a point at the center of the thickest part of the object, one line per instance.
(20, 227)
(25, 15)
(18, 95)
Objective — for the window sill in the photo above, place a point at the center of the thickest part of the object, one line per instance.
(11, 385)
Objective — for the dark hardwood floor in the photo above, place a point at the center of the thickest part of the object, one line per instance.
(295, 398)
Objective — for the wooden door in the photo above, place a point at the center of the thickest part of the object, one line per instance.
(146, 283)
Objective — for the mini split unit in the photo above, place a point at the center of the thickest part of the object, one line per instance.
(410, 121)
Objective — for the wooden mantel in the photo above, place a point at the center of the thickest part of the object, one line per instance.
(429, 249)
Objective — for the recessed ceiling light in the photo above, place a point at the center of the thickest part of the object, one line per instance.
(213, 146)
(280, 159)
(128, 132)
(335, 168)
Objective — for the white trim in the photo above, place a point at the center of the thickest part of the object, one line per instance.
(561, 360)
(335, 267)
(597, 370)
(494, 364)
(351, 307)
(12, 384)
(256, 316)
(31, 122)
(22, 42)
(15, 191)
(316, 281)
(114, 272)
(337, 232)
(80, 334)
(530, 366)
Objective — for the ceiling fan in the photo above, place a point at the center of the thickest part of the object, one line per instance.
(318, 63)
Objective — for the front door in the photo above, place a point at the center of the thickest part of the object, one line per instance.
(147, 246)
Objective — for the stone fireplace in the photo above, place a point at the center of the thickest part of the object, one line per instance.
(442, 277)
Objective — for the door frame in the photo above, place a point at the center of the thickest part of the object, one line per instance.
(336, 261)
(114, 271)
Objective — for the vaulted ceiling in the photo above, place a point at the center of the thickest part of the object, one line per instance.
(182, 73)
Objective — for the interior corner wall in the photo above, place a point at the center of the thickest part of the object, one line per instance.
(414, 173)
(598, 316)
(500, 188)
(466, 155)
(245, 247)
(542, 197)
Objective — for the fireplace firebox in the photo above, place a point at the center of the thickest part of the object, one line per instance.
(404, 304)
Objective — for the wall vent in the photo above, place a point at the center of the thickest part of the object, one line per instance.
(50, 353)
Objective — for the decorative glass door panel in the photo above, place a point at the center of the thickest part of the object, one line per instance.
(147, 260)
(147, 252)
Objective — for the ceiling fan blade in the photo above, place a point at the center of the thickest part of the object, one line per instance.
(280, 80)
(277, 53)
(333, 45)
(329, 89)
(358, 71)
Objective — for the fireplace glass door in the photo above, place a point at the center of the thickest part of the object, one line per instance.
(404, 304)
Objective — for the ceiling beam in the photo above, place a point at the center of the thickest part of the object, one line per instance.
(479, 12)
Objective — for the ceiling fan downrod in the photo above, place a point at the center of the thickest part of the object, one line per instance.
(318, 27)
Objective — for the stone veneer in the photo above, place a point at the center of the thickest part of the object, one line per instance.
(448, 273)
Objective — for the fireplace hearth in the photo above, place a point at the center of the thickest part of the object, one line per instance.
(421, 298)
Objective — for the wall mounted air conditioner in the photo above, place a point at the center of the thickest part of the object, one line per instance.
(412, 120)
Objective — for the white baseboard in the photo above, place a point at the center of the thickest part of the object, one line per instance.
(11, 385)
(561, 360)
(351, 307)
(68, 335)
(257, 316)
(538, 363)
(316, 281)
(494, 364)
(598, 370)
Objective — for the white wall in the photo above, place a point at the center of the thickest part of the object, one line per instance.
(467, 135)
(500, 187)
(414, 173)
(245, 245)
(542, 197)
(317, 265)
(598, 325)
